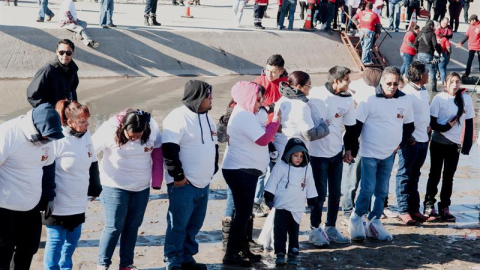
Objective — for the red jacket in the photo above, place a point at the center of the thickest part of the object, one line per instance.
(407, 45)
(445, 45)
(367, 19)
(272, 93)
(261, 2)
(473, 34)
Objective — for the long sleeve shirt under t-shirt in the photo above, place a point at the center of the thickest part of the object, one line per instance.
(128, 167)
(21, 163)
(74, 156)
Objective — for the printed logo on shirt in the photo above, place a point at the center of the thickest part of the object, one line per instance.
(340, 112)
(46, 152)
(400, 113)
(89, 150)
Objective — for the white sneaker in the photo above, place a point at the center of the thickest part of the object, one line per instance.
(335, 236)
(356, 227)
(377, 230)
(390, 213)
(318, 237)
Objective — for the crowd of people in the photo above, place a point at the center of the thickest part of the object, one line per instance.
(287, 142)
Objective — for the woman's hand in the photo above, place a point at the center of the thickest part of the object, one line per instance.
(278, 116)
(181, 183)
(453, 121)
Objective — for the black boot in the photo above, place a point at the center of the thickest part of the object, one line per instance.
(225, 232)
(233, 258)
(153, 20)
(146, 21)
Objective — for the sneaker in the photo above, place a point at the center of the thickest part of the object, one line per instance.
(94, 44)
(421, 218)
(396, 30)
(259, 27)
(280, 260)
(193, 265)
(407, 219)
(294, 251)
(258, 211)
(102, 267)
(431, 212)
(335, 236)
(254, 246)
(446, 216)
(318, 237)
(112, 25)
(292, 259)
(49, 18)
(368, 64)
(39, 19)
(130, 267)
(378, 231)
(356, 227)
(390, 213)
(104, 26)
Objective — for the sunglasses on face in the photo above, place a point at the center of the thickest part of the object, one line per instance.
(69, 53)
(392, 83)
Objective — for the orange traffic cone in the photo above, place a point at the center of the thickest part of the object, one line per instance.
(403, 14)
(308, 21)
(413, 20)
(187, 13)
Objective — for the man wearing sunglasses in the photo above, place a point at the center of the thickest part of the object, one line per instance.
(25, 148)
(57, 79)
(385, 122)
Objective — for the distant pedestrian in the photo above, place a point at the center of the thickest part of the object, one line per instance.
(106, 13)
(473, 37)
(238, 6)
(370, 26)
(454, 9)
(259, 10)
(150, 14)
(439, 9)
(395, 7)
(44, 13)
(288, 6)
(426, 45)
(408, 49)
(69, 21)
(57, 79)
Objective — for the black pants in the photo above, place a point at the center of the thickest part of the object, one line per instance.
(439, 13)
(446, 156)
(455, 8)
(243, 187)
(471, 55)
(20, 233)
(410, 10)
(284, 223)
(258, 12)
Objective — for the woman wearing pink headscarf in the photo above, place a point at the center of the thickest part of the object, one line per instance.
(245, 160)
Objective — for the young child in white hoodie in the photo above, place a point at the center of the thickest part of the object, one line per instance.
(289, 186)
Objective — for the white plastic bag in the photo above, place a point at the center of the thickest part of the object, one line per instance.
(266, 236)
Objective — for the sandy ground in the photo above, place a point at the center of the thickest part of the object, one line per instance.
(430, 246)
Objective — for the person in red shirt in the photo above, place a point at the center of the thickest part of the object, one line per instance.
(258, 11)
(446, 51)
(408, 50)
(367, 21)
(473, 37)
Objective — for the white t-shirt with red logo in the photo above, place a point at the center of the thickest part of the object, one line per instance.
(21, 163)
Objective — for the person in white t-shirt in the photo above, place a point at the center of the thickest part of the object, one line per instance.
(450, 112)
(245, 160)
(69, 21)
(290, 185)
(25, 148)
(336, 105)
(385, 121)
(413, 153)
(191, 155)
(299, 120)
(76, 177)
(132, 161)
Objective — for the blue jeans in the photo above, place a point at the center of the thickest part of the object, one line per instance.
(230, 207)
(61, 244)
(442, 66)
(432, 70)
(261, 184)
(150, 8)
(186, 213)
(44, 10)
(394, 14)
(367, 44)
(330, 13)
(375, 177)
(106, 12)
(410, 161)
(289, 7)
(124, 211)
(407, 60)
(351, 186)
(327, 172)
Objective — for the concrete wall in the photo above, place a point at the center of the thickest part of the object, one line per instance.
(149, 52)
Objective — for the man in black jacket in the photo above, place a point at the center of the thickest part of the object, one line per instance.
(57, 79)
(426, 45)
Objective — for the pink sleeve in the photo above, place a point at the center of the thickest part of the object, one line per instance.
(269, 133)
(157, 168)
